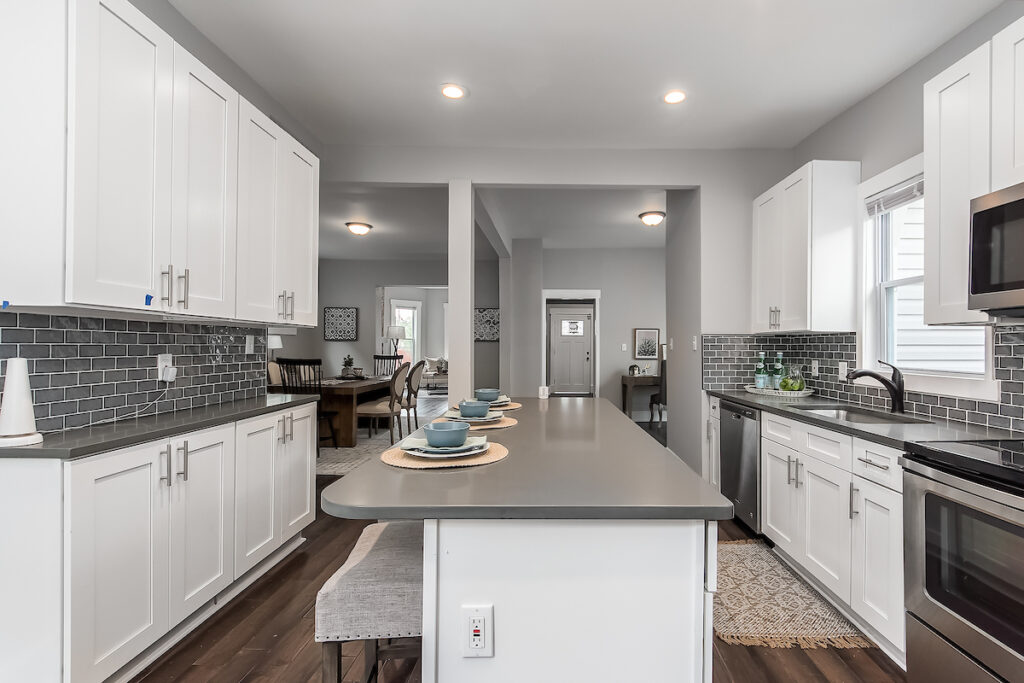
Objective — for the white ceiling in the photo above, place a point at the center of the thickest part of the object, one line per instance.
(575, 73)
(408, 223)
(576, 218)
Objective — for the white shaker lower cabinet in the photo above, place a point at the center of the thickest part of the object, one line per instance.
(202, 519)
(877, 559)
(780, 502)
(841, 529)
(297, 478)
(274, 482)
(825, 517)
(153, 533)
(116, 569)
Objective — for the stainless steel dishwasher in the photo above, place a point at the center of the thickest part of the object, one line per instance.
(741, 461)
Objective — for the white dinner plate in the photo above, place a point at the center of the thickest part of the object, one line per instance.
(492, 416)
(437, 456)
(417, 444)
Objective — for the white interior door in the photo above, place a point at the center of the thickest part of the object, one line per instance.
(571, 349)
(956, 169)
(119, 156)
(825, 491)
(297, 469)
(204, 189)
(298, 231)
(259, 295)
(780, 509)
(202, 519)
(257, 534)
(116, 578)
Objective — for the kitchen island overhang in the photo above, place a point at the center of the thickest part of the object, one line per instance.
(588, 535)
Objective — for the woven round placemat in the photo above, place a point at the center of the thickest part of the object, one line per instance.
(396, 457)
(497, 424)
(511, 406)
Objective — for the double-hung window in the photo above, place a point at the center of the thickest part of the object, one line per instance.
(902, 337)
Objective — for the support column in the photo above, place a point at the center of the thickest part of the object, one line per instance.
(461, 282)
(505, 332)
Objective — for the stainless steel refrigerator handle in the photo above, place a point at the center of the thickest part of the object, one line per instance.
(853, 492)
(866, 461)
(167, 469)
(169, 299)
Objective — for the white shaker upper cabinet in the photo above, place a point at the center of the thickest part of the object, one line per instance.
(259, 158)
(298, 233)
(804, 238)
(204, 189)
(956, 170)
(1008, 106)
(119, 156)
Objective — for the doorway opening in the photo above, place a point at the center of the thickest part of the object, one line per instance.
(571, 339)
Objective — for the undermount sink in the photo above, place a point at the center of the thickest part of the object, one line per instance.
(851, 413)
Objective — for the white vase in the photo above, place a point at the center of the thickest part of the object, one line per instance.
(17, 418)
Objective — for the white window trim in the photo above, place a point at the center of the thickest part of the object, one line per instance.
(418, 329)
(983, 388)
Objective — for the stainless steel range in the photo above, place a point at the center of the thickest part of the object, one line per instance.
(964, 560)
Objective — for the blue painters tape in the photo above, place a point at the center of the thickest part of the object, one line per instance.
(149, 299)
(5, 304)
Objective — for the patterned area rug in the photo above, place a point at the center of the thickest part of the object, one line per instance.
(340, 461)
(761, 602)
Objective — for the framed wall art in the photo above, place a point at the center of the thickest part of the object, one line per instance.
(645, 343)
(486, 325)
(341, 323)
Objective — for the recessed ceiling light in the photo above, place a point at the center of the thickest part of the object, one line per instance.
(453, 91)
(674, 96)
(652, 218)
(359, 228)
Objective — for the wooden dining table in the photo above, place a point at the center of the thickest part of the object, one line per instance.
(342, 396)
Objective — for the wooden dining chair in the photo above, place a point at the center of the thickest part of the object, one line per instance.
(390, 407)
(660, 398)
(385, 364)
(412, 390)
(305, 376)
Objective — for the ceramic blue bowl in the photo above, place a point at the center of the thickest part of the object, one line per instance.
(487, 394)
(446, 434)
(474, 408)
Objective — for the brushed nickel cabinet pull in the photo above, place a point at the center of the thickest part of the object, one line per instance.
(169, 273)
(867, 461)
(166, 476)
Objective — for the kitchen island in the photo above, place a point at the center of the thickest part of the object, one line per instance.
(587, 536)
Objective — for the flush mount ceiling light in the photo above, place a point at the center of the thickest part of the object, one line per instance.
(359, 228)
(453, 91)
(652, 218)
(674, 96)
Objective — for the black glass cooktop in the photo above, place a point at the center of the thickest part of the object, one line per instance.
(1001, 461)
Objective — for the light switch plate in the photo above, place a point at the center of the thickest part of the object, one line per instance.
(624, 348)
(478, 633)
(814, 368)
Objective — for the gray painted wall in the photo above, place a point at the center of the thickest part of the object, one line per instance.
(683, 303)
(887, 127)
(632, 284)
(527, 280)
(161, 13)
(433, 313)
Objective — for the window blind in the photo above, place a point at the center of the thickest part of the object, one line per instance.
(896, 196)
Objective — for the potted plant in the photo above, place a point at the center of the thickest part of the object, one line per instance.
(346, 366)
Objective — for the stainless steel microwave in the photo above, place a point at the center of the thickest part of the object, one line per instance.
(996, 282)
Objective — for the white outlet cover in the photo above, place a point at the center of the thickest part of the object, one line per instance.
(843, 369)
(471, 614)
(250, 344)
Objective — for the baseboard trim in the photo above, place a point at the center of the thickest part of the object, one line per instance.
(201, 615)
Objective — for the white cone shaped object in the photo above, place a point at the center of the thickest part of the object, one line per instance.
(17, 418)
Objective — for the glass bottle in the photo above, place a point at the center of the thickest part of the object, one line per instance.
(761, 372)
(778, 370)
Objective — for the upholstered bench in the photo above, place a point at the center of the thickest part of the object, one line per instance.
(376, 594)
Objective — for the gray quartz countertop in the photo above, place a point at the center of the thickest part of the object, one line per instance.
(86, 441)
(569, 458)
(894, 435)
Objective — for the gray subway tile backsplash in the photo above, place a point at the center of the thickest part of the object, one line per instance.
(729, 366)
(84, 370)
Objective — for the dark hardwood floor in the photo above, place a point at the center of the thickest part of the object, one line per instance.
(658, 430)
(266, 633)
